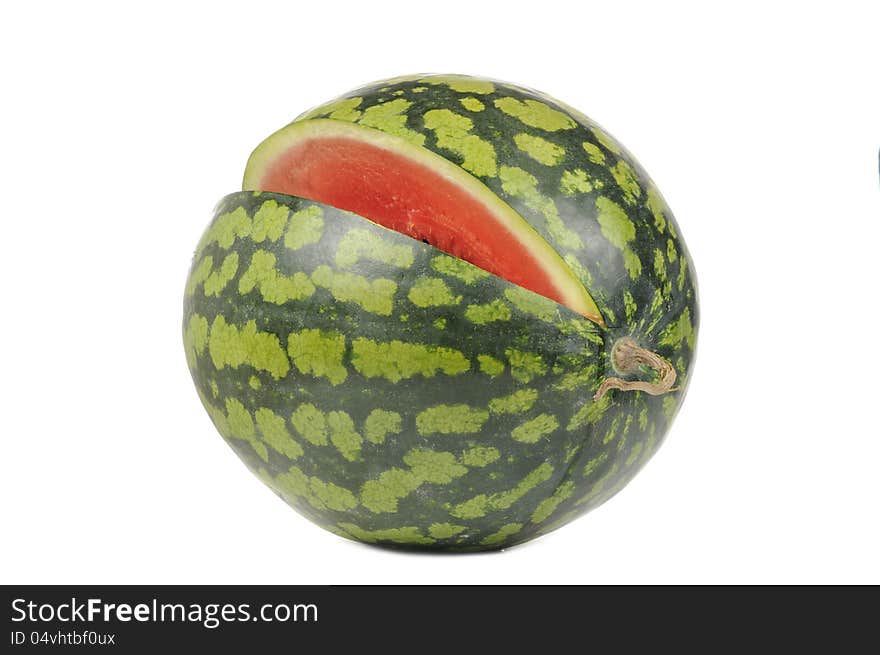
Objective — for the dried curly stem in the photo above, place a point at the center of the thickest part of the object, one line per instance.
(627, 356)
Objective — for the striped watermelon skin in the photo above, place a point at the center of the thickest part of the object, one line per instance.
(398, 396)
(566, 175)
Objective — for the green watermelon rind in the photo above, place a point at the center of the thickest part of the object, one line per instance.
(525, 448)
(556, 452)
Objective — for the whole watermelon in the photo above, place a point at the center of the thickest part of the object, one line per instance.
(397, 394)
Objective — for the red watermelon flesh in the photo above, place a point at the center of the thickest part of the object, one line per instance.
(417, 194)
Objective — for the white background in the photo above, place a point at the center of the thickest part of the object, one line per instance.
(122, 127)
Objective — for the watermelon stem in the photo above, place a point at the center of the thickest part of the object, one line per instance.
(627, 356)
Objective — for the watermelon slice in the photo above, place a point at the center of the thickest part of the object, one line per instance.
(411, 190)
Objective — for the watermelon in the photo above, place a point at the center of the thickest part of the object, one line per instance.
(444, 313)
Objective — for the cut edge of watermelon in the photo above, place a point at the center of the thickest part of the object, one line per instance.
(571, 292)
